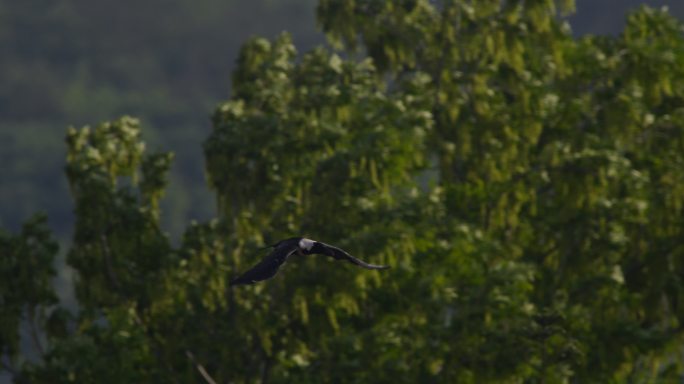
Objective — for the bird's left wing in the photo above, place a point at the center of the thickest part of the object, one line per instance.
(339, 254)
(266, 268)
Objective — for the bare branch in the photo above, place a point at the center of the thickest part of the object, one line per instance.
(200, 368)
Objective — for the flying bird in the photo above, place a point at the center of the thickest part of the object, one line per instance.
(301, 246)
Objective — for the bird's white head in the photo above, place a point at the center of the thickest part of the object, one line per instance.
(305, 243)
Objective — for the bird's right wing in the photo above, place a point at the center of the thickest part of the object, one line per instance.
(340, 254)
(267, 267)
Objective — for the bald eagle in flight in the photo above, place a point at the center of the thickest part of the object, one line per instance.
(301, 246)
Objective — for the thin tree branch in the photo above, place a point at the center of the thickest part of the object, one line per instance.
(207, 377)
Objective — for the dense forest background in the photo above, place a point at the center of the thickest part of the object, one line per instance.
(488, 285)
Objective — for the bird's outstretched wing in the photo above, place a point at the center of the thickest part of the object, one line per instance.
(267, 267)
(339, 254)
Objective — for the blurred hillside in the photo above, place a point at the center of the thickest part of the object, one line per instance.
(77, 63)
(608, 16)
(167, 62)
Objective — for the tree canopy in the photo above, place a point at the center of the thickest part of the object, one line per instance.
(526, 186)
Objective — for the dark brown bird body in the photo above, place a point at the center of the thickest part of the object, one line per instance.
(268, 267)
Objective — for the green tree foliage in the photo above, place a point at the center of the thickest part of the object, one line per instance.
(527, 188)
(25, 291)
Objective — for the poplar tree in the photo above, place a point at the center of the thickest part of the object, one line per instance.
(526, 186)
